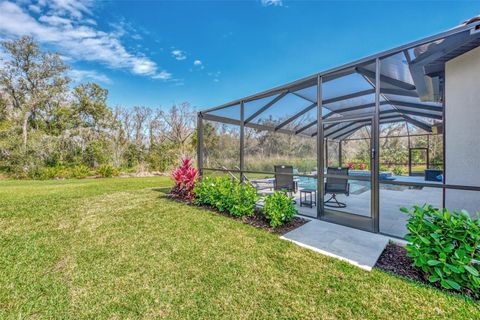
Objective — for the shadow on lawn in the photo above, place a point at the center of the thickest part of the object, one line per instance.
(164, 190)
(257, 220)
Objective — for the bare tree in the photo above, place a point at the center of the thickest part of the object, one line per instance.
(178, 124)
(155, 129)
(120, 134)
(141, 116)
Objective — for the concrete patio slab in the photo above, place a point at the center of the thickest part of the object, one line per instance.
(357, 247)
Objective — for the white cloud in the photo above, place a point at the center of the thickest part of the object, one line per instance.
(143, 66)
(179, 54)
(215, 75)
(34, 8)
(198, 64)
(59, 27)
(88, 75)
(163, 75)
(274, 3)
(137, 37)
(73, 8)
(55, 20)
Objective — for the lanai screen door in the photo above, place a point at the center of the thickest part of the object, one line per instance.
(348, 196)
(418, 159)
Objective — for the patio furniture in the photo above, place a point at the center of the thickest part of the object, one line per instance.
(284, 179)
(259, 184)
(335, 186)
(311, 200)
(433, 175)
(263, 186)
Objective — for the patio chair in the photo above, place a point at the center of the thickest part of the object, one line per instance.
(285, 181)
(259, 184)
(335, 186)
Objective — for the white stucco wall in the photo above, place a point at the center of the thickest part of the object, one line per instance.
(462, 151)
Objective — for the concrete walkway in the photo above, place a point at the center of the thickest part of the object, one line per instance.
(357, 247)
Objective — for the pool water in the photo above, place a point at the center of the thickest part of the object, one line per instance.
(356, 186)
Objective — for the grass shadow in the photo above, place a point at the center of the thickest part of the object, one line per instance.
(162, 190)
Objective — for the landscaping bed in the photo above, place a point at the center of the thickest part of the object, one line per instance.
(235, 199)
(394, 260)
(257, 220)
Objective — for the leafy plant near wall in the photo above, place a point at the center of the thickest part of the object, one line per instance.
(445, 245)
(279, 208)
(185, 177)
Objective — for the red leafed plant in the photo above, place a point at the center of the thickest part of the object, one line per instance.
(185, 177)
(363, 166)
(351, 165)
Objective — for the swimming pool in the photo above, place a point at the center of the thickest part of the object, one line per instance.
(356, 186)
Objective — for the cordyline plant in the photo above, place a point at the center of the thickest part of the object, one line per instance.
(185, 177)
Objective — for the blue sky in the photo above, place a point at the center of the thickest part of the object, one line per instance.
(156, 53)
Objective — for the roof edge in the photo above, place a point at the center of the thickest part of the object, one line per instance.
(467, 25)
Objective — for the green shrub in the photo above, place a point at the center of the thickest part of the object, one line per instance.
(445, 245)
(58, 172)
(398, 171)
(48, 173)
(279, 208)
(226, 195)
(107, 171)
(244, 200)
(79, 172)
(222, 194)
(204, 191)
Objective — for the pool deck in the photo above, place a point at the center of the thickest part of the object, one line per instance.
(392, 198)
(357, 247)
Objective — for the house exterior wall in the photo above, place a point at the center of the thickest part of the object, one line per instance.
(462, 131)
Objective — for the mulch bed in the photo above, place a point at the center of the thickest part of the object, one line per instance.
(394, 260)
(258, 220)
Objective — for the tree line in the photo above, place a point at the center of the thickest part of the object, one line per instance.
(49, 126)
(47, 122)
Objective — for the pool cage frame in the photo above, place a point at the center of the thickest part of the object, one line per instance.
(428, 161)
(459, 39)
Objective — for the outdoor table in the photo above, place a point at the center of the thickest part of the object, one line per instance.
(311, 200)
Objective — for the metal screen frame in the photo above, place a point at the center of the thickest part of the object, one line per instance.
(401, 111)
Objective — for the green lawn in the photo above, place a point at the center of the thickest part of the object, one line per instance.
(113, 248)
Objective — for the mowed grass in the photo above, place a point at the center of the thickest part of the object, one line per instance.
(114, 248)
